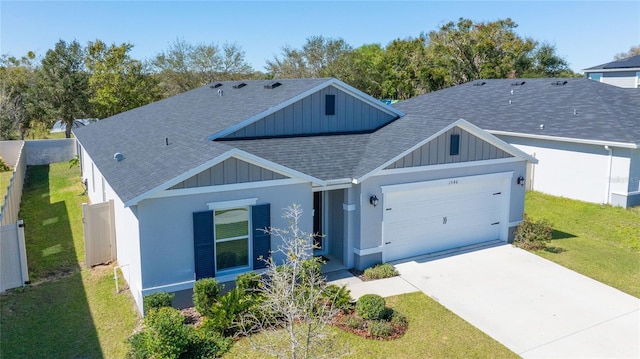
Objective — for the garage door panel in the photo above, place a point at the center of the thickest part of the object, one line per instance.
(430, 219)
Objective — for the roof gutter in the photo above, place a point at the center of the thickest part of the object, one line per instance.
(619, 69)
(567, 139)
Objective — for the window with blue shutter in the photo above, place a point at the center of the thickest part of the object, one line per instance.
(261, 219)
(204, 244)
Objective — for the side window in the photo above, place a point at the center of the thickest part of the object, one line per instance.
(231, 233)
(595, 76)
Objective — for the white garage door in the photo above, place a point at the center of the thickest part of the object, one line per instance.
(432, 216)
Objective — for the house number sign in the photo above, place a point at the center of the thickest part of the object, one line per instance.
(453, 181)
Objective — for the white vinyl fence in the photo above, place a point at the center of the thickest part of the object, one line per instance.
(13, 257)
(17, 159)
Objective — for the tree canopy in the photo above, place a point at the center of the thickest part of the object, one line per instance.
(633, 51)
(101, 80)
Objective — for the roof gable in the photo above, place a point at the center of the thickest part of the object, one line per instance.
(356, 112)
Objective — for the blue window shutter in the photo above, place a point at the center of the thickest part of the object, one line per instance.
(204, 244)
(261, 219)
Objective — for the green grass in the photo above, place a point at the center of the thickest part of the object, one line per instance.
(5, 177)
(52, 213)
(434, 332)
(599, 241)
(70, 312)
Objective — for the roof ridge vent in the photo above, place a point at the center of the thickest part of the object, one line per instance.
(518, 83)
(217, 85)
(479, 83)
(272, 85)
(240, 85)
(559, 83)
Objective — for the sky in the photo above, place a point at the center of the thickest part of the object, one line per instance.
(585, 33)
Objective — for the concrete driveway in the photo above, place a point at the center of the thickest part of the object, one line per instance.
(533, 306)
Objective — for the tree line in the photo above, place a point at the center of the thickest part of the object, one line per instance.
(99, 80)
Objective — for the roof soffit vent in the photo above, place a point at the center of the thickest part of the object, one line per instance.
(216, 85)
(272, 85)
(240, 85)
(559, 83)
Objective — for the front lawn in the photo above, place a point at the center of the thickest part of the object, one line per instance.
(599, 241)
(434, 332)
(69, 312)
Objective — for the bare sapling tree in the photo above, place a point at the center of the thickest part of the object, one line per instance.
(293, 318)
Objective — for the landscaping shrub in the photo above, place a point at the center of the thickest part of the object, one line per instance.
(370, 306)
(157, 300)
(225, 314)
(533, 235)
(339, 297)
(380, 328)
(206, 292)
(398, 319)
(380, 271)
(164, 335)
(249, 281)
(206, 344)
(353, 322)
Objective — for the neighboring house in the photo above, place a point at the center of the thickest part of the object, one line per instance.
(195, 176)
(621, 73)
(585, 134)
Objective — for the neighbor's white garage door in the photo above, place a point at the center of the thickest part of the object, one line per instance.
(426, 217)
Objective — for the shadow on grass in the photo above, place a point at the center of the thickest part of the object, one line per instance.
(52, 318)
(557, 235)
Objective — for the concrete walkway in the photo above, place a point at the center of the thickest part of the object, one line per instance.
(533, 306)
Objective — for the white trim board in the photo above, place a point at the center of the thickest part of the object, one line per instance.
(446, 181)
(565, 139)
(232, 204)
(226, 188)
(447, 166)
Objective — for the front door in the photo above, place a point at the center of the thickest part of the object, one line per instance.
(318, 240)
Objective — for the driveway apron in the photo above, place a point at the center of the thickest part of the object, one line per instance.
(533, 306)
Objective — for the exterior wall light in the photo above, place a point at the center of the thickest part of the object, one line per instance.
(521, 181)
(374, 200)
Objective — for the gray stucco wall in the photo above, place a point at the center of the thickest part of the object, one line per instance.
(166, 227)
(371, 217)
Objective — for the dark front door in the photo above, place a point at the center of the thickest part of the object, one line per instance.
(317, 221)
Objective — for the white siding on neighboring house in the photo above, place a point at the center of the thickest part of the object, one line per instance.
(626, 79)
(579, 171)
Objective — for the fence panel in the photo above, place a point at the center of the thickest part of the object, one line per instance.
(13, 257)
(99, 233)
(11, 207)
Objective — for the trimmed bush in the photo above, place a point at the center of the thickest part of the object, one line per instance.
(339, 297)
(157, 300)
(206, 293)
(398, 319)
(380, 328)
(206, 344)
(164, 336)
(533, 235)
(380, 271)
(370, 306)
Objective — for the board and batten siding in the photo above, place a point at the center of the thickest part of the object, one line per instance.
(307, 117)
(229, 171)
(626, 79)
(436, 151)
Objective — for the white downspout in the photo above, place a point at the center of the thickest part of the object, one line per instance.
(610, 163)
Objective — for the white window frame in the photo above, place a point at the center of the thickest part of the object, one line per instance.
(230, 205)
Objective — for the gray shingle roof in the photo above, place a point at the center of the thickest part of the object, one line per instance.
(602, 112)
(186, 120)
(628, 63)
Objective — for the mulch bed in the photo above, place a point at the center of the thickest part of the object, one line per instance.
(338, 320)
